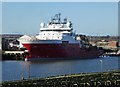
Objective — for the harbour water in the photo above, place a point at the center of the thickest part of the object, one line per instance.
(15, 70)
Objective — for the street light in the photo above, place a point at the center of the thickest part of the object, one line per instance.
(101, 64)
(70, 68)
(29, 71)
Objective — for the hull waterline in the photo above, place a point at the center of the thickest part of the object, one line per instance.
(60, 51)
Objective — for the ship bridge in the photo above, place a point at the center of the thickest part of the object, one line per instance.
(57, 25)
(55, 29)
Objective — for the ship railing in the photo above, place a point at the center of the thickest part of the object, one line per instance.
(53, 28)
(23, 39)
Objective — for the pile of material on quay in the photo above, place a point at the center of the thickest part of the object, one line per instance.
(102, 79)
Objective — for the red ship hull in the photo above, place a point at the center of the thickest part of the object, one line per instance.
(62, 51)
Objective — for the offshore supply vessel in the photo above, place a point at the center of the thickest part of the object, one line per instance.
(56, 40)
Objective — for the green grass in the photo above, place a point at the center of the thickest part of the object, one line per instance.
(74, 80)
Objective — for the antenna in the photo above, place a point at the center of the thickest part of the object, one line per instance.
(59, 17)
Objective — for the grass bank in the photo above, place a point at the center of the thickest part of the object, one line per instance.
(107, 79)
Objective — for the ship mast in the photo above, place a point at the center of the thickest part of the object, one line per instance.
(59, 18)
(56, 19)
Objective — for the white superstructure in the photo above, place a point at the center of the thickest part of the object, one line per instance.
(55, 31)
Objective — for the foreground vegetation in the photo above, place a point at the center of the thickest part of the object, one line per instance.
(107, 79)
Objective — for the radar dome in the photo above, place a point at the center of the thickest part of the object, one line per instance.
(42, 24)
(68, 24)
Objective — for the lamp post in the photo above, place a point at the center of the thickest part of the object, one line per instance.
(29, 71)
(70, 68)
(101, 65)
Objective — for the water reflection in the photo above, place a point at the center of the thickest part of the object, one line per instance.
(13, 70)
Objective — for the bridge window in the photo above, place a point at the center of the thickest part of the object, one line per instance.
(65, 42)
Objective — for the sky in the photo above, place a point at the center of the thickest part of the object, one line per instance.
(89, 18)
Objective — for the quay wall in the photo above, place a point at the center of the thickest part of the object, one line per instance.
(14, 55)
